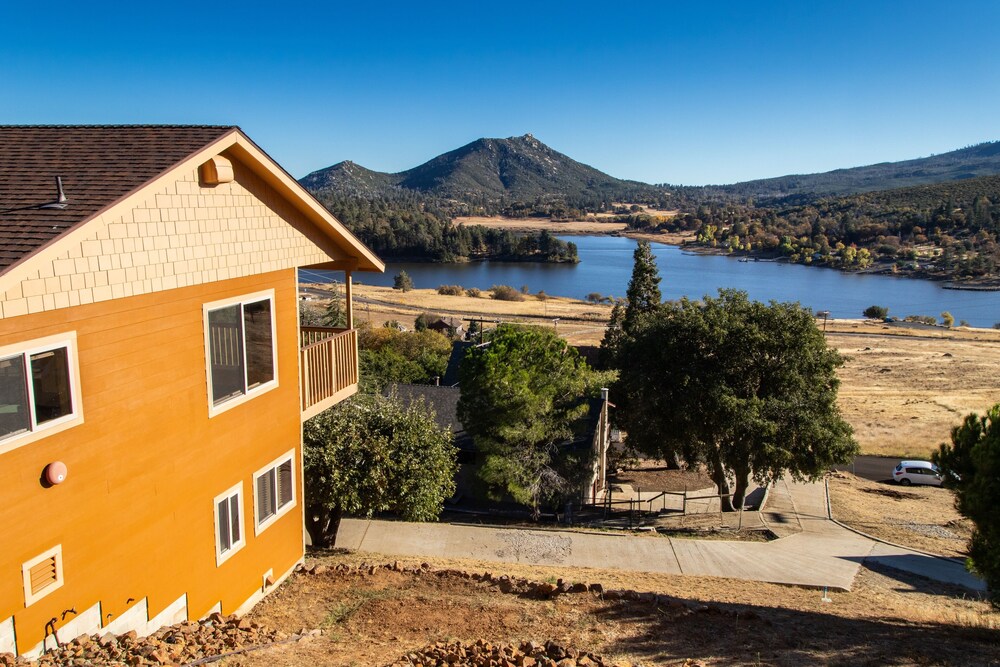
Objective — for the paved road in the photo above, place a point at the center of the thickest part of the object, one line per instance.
(875, 468)
(812, 550)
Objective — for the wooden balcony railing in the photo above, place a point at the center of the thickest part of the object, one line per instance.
(329, 366)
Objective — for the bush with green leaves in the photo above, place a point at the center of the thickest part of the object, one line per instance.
(970, 466)
(876, 312)
(388, 355)
(505, 293)
(947, 319)
(371, 454)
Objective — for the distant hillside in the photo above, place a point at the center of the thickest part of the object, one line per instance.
(947, 230)
(974, 161)
(490, 176)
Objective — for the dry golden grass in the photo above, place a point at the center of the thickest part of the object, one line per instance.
(904, 389)
(588, 226)
(581, 323)
(592, 224)
(921, 517)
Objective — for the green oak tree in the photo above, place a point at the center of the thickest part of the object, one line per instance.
(971, 467)
(747, 389)
(371, 454)
(520, 395)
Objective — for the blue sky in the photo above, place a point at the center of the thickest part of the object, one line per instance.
(678, 92)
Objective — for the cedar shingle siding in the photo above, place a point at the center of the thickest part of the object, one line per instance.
(98, 166)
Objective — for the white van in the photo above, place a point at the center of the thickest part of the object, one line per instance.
(916, 472)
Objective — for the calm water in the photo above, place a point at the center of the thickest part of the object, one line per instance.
(606, 266)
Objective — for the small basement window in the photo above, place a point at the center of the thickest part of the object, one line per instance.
(38, 388)
(229, 523)
(274, 490)
(42, 575)
(242, 357)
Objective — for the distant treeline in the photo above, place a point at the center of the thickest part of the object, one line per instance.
(409, 226)
(948, 230)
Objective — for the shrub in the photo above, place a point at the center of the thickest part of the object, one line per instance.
(876, 312)
(922, 319)
(505, 293)
(451, 290)
(474, 292)
(423, 319)
(595, 297)
(402, 281)
(542, 296)
(525, 290)
(947, 319)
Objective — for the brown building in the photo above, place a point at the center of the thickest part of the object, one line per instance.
(153, 375)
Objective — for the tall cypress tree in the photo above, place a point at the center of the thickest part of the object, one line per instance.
(643, 295)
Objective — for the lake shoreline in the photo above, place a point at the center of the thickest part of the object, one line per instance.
(684, 240)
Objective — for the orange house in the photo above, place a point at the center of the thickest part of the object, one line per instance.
(153, 375)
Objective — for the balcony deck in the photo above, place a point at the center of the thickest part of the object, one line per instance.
(329, 367)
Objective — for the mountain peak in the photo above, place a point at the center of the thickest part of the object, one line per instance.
(518, 168)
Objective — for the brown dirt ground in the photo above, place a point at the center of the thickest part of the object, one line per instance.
(921, 517)
(374, 619)
(653, 476)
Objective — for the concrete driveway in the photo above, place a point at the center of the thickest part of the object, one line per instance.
(811, 550)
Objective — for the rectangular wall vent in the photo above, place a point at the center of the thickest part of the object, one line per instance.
(42, 575)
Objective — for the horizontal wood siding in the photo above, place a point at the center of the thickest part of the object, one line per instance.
(135, 516)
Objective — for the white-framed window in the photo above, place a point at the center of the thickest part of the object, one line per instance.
(240, 350)
(42, 575)
(39, 389)
(229, 534)
(273, 491)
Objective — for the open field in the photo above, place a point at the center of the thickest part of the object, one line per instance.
(920, 517)
(375, 618)
(588, 226)
(596, 224)
(902, 389)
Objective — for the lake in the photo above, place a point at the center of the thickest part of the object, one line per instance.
(606, 266)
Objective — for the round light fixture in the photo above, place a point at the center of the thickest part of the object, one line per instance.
(55, 472)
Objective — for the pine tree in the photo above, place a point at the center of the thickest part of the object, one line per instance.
(643, 295)
(614, 336)
(334, 314)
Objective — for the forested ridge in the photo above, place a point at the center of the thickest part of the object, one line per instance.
(947, 230)
(853, 219)
(410, 227)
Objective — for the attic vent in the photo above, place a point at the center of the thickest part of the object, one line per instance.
(215, 171)
(42, 575)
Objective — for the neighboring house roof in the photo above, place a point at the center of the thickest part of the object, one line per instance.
(98, 166)
(112, 175)
(458, 349)
(442, 400)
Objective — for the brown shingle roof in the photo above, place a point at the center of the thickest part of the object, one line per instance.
(99, 164)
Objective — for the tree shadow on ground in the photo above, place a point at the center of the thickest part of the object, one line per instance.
(905, 568)
(731, 634)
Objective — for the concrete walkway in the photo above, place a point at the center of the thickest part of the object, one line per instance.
(811, 551)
